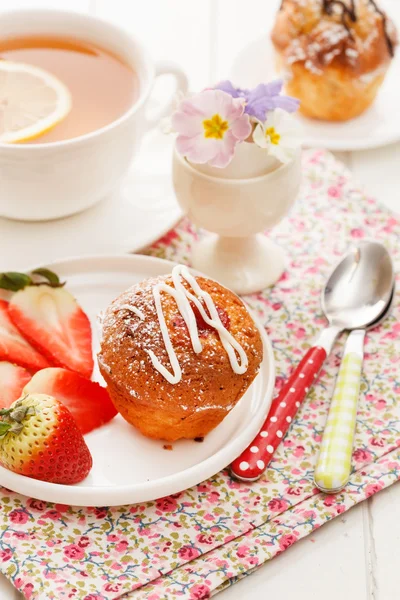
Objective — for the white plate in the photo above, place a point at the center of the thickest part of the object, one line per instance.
(378, 126)
(141, 211)
(129, 467)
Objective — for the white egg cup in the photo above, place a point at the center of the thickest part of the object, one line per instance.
(236, 210)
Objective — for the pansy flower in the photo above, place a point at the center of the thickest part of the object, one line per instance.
(209, 125)
(279, 134)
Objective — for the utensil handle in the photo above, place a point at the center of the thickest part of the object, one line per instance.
(251, 464)
(334, 462)
(181, 85)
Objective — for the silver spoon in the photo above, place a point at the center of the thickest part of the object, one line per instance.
(356, 294)
(333, 468)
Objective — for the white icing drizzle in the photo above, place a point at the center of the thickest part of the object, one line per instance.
(133, 309)
(183, 297)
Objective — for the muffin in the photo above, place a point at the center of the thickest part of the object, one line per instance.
(169, 380)
(335, 54)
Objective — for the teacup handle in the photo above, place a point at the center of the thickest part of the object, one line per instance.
(182, 84)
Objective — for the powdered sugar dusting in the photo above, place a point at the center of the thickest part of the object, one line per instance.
(297, 53)
(328, 41)
(324, 32)
(128, 339)
(351, 52)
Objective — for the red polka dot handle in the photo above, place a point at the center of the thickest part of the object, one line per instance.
(251, 464)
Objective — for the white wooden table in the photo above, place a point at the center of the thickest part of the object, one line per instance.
(356, 555)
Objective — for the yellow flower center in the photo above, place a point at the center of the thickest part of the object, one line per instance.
(215, 127)
(274, 137)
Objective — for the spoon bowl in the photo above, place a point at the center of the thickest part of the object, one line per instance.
(386, 311)
(360, 287)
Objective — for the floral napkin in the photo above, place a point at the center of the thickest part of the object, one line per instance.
(193, 544)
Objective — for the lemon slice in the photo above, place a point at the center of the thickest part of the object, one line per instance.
(32, 101)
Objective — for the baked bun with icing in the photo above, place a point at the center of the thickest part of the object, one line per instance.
(178, 352)
(334, 54)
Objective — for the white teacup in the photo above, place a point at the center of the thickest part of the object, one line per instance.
(56, 179)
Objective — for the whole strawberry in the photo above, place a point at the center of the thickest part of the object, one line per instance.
(39, 438)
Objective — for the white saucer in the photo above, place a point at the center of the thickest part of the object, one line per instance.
(134, 216)
(128, 467)
(378, 126)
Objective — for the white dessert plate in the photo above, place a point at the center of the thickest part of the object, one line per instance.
(378, 126)
(142, 210)
(129, 467)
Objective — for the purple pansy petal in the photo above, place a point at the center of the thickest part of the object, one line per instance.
(260, 108)
(287, 103)
(236, 92)
(229, 88)
(269, 89)
(263, 98)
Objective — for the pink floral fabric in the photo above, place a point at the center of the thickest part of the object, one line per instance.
(193, 544)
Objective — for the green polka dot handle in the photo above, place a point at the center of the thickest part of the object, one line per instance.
(334, 462)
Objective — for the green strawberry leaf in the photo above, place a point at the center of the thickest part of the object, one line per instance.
(4, 427)
(14, 281)
(52, 278)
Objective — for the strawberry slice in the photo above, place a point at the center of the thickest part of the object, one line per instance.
(13, 347)
(13, 379)
(53, 322)
(88, 402)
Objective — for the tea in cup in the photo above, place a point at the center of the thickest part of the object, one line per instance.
(73, 95)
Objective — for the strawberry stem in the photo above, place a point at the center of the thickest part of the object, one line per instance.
(14, 417)
(17, 413)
